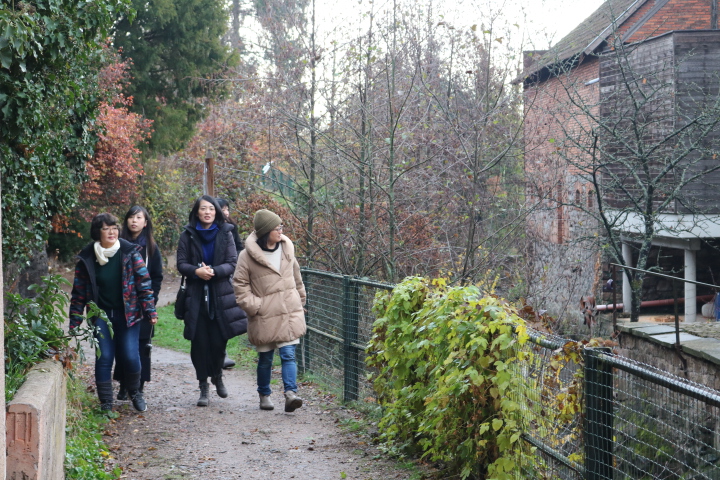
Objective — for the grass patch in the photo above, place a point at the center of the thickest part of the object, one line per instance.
(87, 456)
(169, 334)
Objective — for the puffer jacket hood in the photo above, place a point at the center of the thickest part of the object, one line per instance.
(272, 299)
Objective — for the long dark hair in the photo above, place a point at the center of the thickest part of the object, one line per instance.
(262, 241)
(151, 245)
(193, 217)
(224, 203)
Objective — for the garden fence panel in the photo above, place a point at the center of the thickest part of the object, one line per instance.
(634, 421)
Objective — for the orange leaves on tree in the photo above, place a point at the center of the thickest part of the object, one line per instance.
(114, 171)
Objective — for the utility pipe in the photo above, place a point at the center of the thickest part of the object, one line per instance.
(654, 303)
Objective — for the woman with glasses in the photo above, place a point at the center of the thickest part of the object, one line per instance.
(111, 272)
(268, 286)
(206, 257)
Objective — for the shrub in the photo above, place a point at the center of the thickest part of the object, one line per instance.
(443, 357)
(33, 331)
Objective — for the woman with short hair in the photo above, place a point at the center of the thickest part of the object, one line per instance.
(111, 272)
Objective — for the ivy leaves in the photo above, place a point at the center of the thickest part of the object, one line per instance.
(50, 53)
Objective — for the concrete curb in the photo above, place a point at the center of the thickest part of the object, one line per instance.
(35, 425)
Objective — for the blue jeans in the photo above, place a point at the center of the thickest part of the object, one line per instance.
(289, 369)
(123, 345)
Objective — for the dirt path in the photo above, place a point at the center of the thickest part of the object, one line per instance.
(233, 438)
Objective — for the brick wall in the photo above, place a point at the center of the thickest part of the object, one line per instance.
(674, 15)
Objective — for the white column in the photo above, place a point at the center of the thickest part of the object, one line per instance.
(627, 291)
(690, 288)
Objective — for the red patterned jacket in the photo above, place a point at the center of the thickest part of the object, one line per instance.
(136, 285)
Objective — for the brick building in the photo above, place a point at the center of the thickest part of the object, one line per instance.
(580, 85)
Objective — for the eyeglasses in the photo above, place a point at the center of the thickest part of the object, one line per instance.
(278, 228)
(110, 229)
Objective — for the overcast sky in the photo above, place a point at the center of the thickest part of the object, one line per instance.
(541, 21)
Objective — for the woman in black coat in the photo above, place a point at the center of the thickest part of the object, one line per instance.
(137, 228)
(206, 257)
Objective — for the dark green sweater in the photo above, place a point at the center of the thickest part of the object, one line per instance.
(109, 282)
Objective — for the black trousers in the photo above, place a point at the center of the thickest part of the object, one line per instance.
(207, 348)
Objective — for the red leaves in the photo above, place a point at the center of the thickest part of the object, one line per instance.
(115, 169)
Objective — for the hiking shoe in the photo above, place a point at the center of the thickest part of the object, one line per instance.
(122, 393)
(138, 401)
(292, 401)
(228, 362)
(266, 403)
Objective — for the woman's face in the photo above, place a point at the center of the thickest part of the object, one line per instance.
(275, 234)
(226, 211)
(108, 235)
(136, 223)
(206, 213)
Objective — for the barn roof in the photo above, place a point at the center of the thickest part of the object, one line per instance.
(590, 34)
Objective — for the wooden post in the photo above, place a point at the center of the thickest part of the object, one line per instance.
(209, 175)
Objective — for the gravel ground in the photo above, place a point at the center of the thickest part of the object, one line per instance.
(232, 438)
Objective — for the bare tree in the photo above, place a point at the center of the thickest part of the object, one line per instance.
(642, 153)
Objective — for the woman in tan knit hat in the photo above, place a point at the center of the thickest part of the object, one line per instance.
(268, 286)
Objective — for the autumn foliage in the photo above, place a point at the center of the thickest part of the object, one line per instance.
(114, 171)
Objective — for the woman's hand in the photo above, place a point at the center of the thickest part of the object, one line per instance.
(205, 272)
(153, 320)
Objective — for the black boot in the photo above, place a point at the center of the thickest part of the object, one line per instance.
(203, 400)
(217, 380)
(122, 393)
(228, 362)
(132, 381)
(105, 395)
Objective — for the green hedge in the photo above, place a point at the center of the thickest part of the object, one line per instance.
(443, 359)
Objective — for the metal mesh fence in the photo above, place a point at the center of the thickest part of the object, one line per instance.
(588, 414)
(339, 323)
(635, 421)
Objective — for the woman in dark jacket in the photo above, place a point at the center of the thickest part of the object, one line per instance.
(137, 228)
(111, 273)
(225, 208)
(206, 256)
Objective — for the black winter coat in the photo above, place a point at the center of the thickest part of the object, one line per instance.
(232, 319)
(155, 269)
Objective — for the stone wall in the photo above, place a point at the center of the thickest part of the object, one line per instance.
(35, 425)
(666, 358)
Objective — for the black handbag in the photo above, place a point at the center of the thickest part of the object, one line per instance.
(180, 300)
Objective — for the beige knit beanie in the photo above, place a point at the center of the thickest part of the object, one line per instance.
(264, 221)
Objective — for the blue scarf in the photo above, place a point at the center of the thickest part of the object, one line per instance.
(207, 241)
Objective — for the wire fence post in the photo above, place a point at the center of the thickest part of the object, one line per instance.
(350, 316)
(598, 424)
(304, 364)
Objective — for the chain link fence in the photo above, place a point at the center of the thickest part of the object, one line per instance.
(589, 414)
